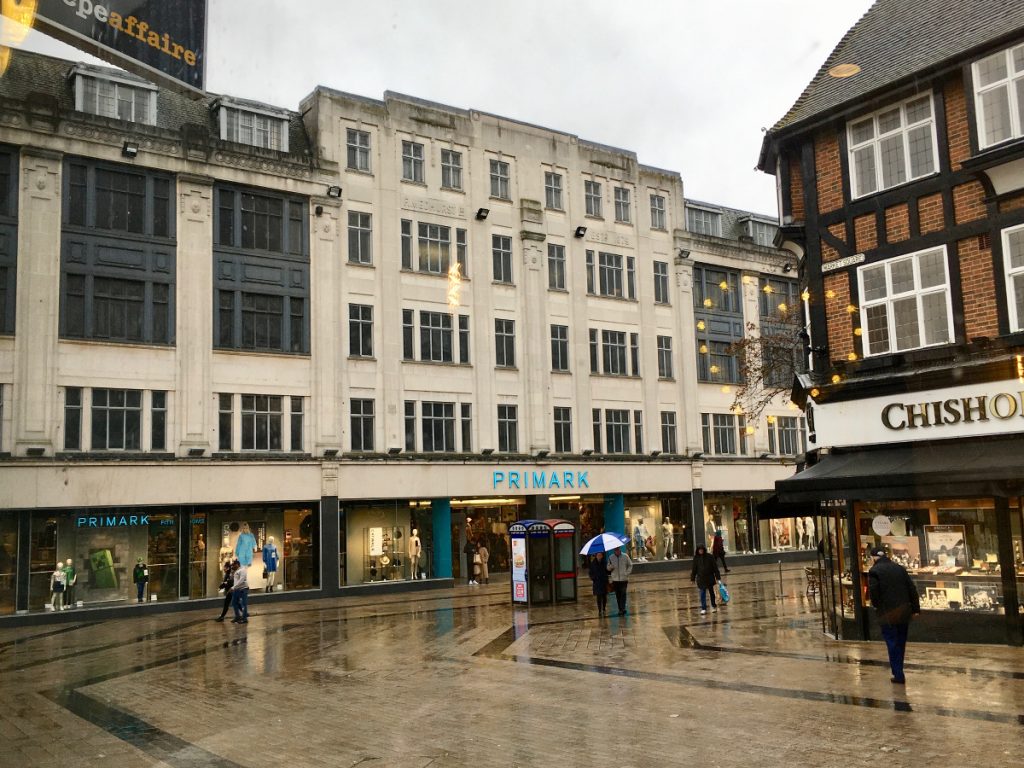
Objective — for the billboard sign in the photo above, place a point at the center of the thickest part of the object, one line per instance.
(160, 40)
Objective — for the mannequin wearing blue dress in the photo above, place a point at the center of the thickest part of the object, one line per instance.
(245, 546)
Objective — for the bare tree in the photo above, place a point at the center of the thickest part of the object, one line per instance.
(767, 358)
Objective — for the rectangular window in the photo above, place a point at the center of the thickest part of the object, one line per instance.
(358, 146)
(296, 423)
(616, 430)
(556, 267)
(661, 282)
(462, 252)
(631, 277)
(254, 129)
(508, 429)
(905, 302)
(596, 421)
(892, 146)
(622, 212)
(116, 420)
(438, 427)
(705, 432)
(360, 238)
(592, 198)
(261, 422)
(466, 415)
(360, 330)
(634, 354)
(609, 273)
(501, 253)
(668, 432)
(785, 435)
(408, 334)
(553, 190)
(999, 96)
(451, 169)
(763, 233)
(590, 273)
(118, 308)
(410, 426)
(613, 349)
(638, 431)
(435, 337)
(499, 180)
(665, 357)
(412, 161)
(110, 98)
(464, 339)
(225, 416)
(72, 418)
(724, 433)
(406, 244)
(434, 248)
(658, 212)
(262, 321)
(559, 348)
(120, 201)
(716, 290)
(158, 421)
(716, 362)
(595, 352)
(703, 222)
(563, 429)
(505, 343)
(361, 423)
(1013, 266)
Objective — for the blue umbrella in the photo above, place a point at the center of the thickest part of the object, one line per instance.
(604, 542)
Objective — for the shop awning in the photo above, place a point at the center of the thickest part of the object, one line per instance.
(773, 508)
(950, 468)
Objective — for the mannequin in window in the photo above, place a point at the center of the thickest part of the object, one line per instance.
(140, 575)
(639, 538)
(415, 550)
(58, 580)
(667, 533)
(799, 522)
(225, 550)
(245, 546)
(270, 560)
(70, 579)
(809, 531)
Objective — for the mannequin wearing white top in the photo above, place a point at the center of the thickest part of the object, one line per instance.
(415, 550)
(58, 581)
(799, 542)
(667, 533)
(809, 531)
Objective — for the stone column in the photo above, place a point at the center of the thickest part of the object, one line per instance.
(689, 436)
(533, 350)
(325, 322)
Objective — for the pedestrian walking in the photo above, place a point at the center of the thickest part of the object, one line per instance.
(706, 576)
(240, 593)
(598, 570)
(471, 554)
(718, 550)
(485, 574)
(619, 568)
(894, 596)
(227, 581)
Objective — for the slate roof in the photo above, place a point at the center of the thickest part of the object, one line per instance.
(895, 40)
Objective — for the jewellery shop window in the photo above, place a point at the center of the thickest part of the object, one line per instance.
(386, 541)
(88, 557)
(949, 548)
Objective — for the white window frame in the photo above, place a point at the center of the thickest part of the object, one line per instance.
(700, 220)
(1012, 275)
(622, 205)
(141, 112)
(553, 191)
(412, 161)
(762, 233)
(451, 169)
(875, 142)
(501, 185)
(917, 292)
(592, 198)
(658, 212)
(356, 149)
(1011, 82)
(262, 123)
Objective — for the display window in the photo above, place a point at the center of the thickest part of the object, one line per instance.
(90, 557)
(950, 548)
(8, 562)
(385, 541)
(657, 527)
(486, 522)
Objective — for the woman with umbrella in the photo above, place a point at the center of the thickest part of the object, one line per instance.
(598, 568)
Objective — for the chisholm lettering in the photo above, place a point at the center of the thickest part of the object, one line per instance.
(541, 479)
(959, 410)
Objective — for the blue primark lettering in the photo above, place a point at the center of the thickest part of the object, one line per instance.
(513, 479)
(567, 479)
(581, 480)
(538, 480)
(497, 478)
(553, 481)
(112, 521)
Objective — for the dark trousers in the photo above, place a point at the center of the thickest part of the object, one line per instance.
(227, 604)
(722, 559)
(140, 589)
(620, 595)
(469, 568)
(896, 642)
(704, 592)
(602, 602)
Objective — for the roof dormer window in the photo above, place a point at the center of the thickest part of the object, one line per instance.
(115, 96)
(257, 127)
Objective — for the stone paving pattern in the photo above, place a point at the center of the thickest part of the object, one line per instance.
(459, 678)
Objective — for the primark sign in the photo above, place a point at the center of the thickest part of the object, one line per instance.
(541, 480)
(975, 410)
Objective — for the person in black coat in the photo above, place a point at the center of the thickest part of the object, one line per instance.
(226, 582)
(469, 551)
(705, 574)
(894, 596)
(598, 570)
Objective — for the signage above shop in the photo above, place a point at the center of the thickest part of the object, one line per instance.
(976, 410)
(111, 521)
(542, 479)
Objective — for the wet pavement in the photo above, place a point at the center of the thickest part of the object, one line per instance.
(458, 678)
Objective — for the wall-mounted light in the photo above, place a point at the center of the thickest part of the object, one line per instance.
(196, 452)
(787, 267)
(683, 253)
(581, 231)
(482, 213)
(394, 451)
(697, 455)
(334, 191)
(588, 451)
(130, 149)
(766, 455)
(655, 454)
(541, 454)
(487, 451)
(330, 453)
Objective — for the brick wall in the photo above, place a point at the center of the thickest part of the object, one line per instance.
(897, 223)
(977, 283)
(1014, 203)
(956, 123)
(841, 321)
(828, 170)
(929, 213)
(828, 253)
(968, 202)
(796, 189)
(865, 233)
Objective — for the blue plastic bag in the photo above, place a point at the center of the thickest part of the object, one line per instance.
(723, 592)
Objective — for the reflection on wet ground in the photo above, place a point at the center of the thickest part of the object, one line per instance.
(460, 678)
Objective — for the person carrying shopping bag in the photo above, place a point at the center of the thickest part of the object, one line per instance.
(706, 576)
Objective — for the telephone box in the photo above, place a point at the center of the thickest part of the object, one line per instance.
(543, 561)
(564, 561)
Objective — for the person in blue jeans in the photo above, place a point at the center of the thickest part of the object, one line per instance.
(894, 596)
(240, 594)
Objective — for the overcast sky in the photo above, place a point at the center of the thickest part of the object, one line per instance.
(688, 86)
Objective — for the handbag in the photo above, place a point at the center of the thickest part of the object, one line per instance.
(264, 573)
(723, 592)
(477, 559)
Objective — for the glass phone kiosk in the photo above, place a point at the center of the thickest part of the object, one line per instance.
(543, 561)
(564, 540)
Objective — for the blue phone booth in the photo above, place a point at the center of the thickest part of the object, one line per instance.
(543, 561)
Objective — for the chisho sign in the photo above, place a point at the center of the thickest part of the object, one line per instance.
(162, 40)
(975, 410)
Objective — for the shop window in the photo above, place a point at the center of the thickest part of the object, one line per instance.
(563, 429)
(8, 562)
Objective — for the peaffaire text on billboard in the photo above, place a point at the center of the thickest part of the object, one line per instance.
(133, 27)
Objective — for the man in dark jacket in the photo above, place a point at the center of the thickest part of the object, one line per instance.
(705, 574)
(895, 598)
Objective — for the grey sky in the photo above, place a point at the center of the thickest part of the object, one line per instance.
(686, 85)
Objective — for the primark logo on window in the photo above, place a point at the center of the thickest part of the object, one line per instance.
(543, 479)
(111, 521)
